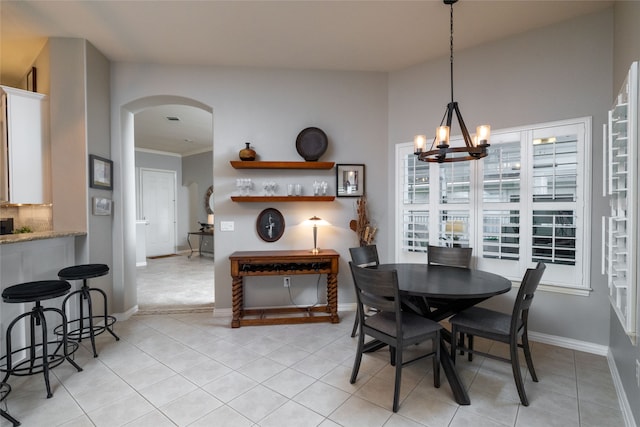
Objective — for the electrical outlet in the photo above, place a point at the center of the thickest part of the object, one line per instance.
(287, 281)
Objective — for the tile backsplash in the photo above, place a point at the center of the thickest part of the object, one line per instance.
(39, 218)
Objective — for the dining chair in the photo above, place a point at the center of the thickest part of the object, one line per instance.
(390, 325)
(452, 256)
(363, 256)
(502, 327)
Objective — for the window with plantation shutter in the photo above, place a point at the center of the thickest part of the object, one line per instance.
(527, 201)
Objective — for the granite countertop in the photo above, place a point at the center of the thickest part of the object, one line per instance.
(39, 235)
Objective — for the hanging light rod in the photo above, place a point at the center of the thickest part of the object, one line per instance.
(474, 147)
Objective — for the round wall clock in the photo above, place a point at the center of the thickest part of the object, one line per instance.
(270, 225)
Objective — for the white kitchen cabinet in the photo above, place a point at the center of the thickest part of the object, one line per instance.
(621, 178)
(24, 155)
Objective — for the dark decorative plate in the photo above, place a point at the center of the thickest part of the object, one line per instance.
(311, 144)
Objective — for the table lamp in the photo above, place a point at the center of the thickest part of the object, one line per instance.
(316, 221)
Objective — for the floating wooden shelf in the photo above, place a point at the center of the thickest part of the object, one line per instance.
(283, 198)
(236, 164)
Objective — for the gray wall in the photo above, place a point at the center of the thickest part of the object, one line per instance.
(627, 50)
(268, 107)
(559, 72)
(198, 169)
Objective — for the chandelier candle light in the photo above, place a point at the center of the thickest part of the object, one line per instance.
(475, 147)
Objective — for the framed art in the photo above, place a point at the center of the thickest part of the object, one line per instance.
(349, 180)
(100, 173)
(32, 80)
(270, 225)
(101, 206)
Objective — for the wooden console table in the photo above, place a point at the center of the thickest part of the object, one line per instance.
(281, 263)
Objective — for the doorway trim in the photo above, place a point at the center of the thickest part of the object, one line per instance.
(125, 298)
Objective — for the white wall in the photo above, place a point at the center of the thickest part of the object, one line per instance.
(268, 107)
(562, 71)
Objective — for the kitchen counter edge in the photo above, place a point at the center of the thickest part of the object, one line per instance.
(39, 235)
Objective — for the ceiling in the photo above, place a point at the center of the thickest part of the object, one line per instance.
(375, 35)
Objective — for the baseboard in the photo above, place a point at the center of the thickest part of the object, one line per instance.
(127, 314)
(587, 347)
(222, 312)
(627, 414)
(347, 307)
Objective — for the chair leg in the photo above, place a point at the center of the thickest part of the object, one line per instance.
(517, 375)
(396, 388)
(436, 361)
(355, 323)
(356, 363)
(470, 347)
(527, 355)
(454, 343)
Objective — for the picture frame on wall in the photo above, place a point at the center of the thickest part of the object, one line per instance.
(100, 172)
(350, 180)
(101, 206)
(270, 225)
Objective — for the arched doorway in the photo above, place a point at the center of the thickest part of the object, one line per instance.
(124, 227)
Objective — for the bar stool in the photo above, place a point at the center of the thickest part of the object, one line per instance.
(38, 358)
(5, 389)
(90, 330)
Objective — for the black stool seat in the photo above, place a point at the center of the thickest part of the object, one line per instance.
(85, 271)
(91, 325)
(39, 359)
(35, 291)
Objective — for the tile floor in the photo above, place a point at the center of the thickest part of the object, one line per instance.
(176, 283)
(194, 370)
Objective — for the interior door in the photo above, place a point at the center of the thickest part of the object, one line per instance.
(159, 211)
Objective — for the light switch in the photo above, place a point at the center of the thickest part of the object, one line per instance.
(227, 226)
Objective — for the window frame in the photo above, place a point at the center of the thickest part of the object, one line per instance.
(555, 279)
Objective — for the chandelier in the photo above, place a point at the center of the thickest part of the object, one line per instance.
(474, 147)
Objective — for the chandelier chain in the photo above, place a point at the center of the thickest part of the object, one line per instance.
(451, 49)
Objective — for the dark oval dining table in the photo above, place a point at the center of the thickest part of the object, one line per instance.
(455, 289)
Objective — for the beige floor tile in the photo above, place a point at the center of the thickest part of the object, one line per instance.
(167, 390)
(103, 394)
(121, 412)
(467, 419)
(292, 414)
(147, 376)
(289, 382)
(81, 421)
(230, 386)
(262, 369)
(205, 372)
(399, 421)
(190, 407)
(321, 398)
(537, 416)
(224, 416)
(356, 412)
(152, 419)
(258, 402)
(315, 366)
(421, 406)
(594, 415)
